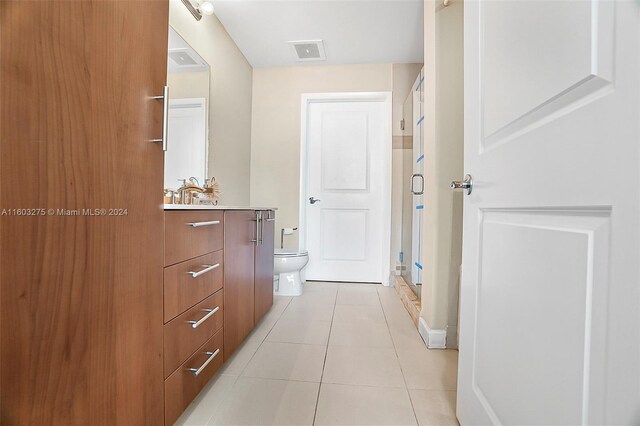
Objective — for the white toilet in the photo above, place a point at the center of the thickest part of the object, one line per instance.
(287, 266)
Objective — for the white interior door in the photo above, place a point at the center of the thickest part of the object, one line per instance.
(186, 154)
(348, 170)
(550, 286)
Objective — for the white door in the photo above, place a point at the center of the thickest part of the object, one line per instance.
(551, 288)
(417, 181)
(186, 154)
(348, 170)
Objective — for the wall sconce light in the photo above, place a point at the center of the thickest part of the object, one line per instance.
(201, 7)
(206, 7)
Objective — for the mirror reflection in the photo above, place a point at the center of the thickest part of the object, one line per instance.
(188, 81)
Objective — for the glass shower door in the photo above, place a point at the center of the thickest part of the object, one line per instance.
(413, 187)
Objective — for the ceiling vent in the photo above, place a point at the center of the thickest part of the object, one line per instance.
(183, 57)
(308, 50)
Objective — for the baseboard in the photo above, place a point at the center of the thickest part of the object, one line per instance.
(435, 339)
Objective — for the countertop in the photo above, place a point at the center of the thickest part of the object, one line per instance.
(208, 207)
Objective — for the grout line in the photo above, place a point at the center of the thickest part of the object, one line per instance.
(395, 350)
(326, 351)
(262, 340)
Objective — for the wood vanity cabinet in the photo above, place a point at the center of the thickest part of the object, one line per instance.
(194, 307)
(218, 283)
(249, 246)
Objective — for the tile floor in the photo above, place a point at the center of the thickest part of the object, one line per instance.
(340, 354)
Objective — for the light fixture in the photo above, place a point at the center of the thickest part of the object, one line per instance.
(206, 7)
(201, 7)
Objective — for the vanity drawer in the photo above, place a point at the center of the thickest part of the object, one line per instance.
(188, 234)
(183, 385)
(182, 289)
(185, 333)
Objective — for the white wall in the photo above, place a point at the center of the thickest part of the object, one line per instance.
(230, 101)
(443, 147)
(275, 128)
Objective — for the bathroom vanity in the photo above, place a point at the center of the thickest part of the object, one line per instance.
(217, 285)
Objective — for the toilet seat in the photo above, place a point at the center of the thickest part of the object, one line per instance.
(291, 253)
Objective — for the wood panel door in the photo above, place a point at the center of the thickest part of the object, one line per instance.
(81, 290)
(240, 234)
(264, 266)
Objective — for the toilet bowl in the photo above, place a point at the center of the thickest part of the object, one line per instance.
(287, 266)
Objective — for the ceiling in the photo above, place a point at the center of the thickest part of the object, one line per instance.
(353, 31)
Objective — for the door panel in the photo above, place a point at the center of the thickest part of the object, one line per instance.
(551, 238)
(346, 170)
(239, 267)
(264, 266)
(81, 310)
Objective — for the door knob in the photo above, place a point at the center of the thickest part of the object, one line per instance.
(466, 184)
(313, 200)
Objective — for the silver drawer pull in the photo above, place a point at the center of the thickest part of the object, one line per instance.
(199, 224)
(197, 371)
(206, 269)
(195, 324)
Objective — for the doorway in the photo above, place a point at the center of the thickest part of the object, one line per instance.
(345, 188)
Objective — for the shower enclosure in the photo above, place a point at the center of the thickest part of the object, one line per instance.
(412, 187)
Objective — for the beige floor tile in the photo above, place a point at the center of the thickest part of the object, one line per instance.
(320, 285)
(383, 289)
(359, 286)
(429, 369)
(395, 312)
(299, 310)
(363, 405)
(308, 332)
(269, 402)
(318, 297)
(357, 297)
(261, 330)
(281, 301)
(287, 361)
(240, 357)
(434, 408)
(405, 335)
(208, 402)
(351, 313)
(362, 366)
(360, 333)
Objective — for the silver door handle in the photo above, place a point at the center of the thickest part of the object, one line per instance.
(165, 117)
(313, 200)
(196, 371)
(199, 224)
(413, 191)
(206, 269)
(195, 324)
(466, 184)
